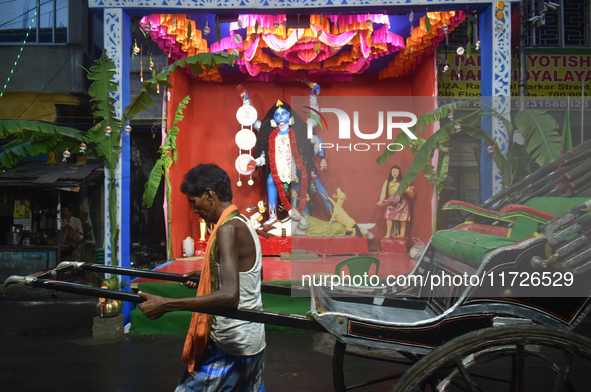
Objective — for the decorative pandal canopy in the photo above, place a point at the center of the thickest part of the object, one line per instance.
(335, 47)
(423, 42)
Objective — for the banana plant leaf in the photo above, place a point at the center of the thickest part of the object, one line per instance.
(34, 138)
(519, 159)
(168, 155)
(423, 121)
(540, 131)
(567, 140)
(143, 100)
(424, 155)
(444, 168)
(170, 141)
(441, 112)
(403, 139)
(105, 146)
(15, 127)
(153, 183)
(438, 181)
(102, 74)
(426, 151)
(497, 155)
(10, 157)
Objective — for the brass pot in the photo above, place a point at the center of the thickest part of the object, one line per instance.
(109, 307)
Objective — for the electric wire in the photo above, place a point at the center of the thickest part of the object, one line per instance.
(46, 85)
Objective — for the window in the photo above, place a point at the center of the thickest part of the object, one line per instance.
(565, 24)
(45, 21)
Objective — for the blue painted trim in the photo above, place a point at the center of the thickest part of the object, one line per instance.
(250, 6)
(125, 183)
(486, 89)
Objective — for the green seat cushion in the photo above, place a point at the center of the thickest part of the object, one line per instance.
(524, 227)
(472, 247)
(468, 246)
(555, 205)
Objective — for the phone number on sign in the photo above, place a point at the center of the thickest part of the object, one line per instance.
(531, 279)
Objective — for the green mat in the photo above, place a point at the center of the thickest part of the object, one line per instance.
(175, 323)
(468, 246)
(473, 247)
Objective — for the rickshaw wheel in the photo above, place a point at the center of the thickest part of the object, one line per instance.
(516, 358)
(338, 367)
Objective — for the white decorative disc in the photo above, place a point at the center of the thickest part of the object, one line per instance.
(245, 139)
(241, 164)
(246, 115)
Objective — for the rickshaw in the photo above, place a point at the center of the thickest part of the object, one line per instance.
(490, 305)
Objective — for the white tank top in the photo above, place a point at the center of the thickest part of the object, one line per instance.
(238, 337)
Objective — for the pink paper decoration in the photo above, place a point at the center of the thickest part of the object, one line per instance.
(322, 49)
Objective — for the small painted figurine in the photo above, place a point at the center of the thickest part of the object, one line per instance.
(397, 206)
(287, 156)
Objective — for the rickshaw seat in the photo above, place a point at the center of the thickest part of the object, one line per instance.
(358, 265)
(472, 247)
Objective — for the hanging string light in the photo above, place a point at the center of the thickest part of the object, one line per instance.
(20, 52)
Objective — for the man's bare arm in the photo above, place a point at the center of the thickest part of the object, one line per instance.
(226, 298)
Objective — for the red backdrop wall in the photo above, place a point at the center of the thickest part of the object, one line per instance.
(209, 126)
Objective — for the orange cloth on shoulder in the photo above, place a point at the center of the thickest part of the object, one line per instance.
(196, 340)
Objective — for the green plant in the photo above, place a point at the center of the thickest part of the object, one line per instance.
(32, 138)
(437, 178)
(168, 156)
(542, 142)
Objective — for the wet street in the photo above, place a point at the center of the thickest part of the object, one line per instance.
(46, 344)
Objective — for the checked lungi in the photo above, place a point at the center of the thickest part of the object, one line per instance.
(219, 372)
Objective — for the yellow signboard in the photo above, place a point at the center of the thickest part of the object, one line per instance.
(548, 75)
